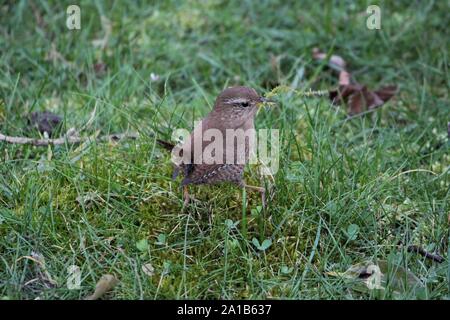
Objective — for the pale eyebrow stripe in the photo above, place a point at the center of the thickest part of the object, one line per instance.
(237, 100)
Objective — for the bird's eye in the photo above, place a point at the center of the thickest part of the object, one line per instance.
(244, 104)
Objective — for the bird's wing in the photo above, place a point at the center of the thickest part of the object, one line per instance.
(200, 173)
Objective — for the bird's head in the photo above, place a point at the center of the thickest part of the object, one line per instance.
(237, 104)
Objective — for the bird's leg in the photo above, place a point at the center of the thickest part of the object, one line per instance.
(186, 196)
(260, 190)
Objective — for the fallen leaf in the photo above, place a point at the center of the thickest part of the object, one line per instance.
(387, 92)
(106, 283)
(44, 121)
(359, 98)
(363, 100)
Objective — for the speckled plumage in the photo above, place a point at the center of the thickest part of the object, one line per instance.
(235, 108)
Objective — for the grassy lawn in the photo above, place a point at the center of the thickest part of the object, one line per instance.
(348, 191)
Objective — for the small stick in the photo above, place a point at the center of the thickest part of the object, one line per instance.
(426, 254)
(66, 138)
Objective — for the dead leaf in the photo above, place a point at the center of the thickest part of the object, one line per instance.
(386, 93)
(359, 98)
(363, 100)
(44, 121)
(106, 283)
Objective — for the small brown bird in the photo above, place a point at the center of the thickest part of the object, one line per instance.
(234, 109)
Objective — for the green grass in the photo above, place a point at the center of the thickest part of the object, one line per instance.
(89, 205)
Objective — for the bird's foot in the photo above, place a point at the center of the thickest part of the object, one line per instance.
(188, 198)
(261, 190)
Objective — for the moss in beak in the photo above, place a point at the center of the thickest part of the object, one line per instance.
(265, 101)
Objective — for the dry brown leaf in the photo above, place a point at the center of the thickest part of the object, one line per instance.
(363, 100)
(106, 283)
(359, 98)
(386, 93)
(44, 121)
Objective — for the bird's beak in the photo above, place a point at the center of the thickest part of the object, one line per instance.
(266, 101)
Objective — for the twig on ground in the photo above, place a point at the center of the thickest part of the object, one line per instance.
(70, 137)
(426, 254)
